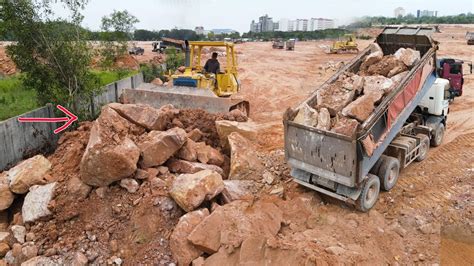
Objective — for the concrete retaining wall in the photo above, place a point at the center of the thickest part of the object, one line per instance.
(19, 141)
(23, 140)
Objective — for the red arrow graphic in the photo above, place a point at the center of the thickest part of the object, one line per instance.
(71, 118)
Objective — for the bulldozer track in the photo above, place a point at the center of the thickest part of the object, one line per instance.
(433, 181)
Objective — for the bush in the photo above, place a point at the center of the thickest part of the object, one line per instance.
(150, 72)
(174, 59)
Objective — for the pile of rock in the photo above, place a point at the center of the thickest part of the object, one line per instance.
(342, 106)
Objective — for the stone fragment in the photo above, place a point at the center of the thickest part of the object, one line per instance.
(28, 173)
(198, 262)
(230, 224)
(371, 59)
(130, 184)
(190, 190)
(4, 248)
(408, 56)
(101, 191)
(252, 251)
(335, 250)
(6, 196)
(183, 250)
(307, 116)
(238, 189)
(345, 126)
(145, 115)
(324, 119)
(225, 128)
(208, 155)
(77, 188)
(158, 146)
(141, 174)
(360, 109)
(357, 83)
(4, 236)
(369, 144)
(379, 85)
(157, 81)
(334, 97)
(185, 167)
(385, 66)
(36, 202)
(244, 161)
(19, 233)
(397, 79)
(188, 151)
(195, 135)
(162, 170)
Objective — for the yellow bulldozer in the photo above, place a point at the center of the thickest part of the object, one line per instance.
(347, 45)
(194, 88)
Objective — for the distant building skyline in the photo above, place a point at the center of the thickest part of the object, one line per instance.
(426, 13)
(266, 24)
(399, 12)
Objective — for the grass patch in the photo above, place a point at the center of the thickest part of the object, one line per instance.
(14, 98)
(107, 77)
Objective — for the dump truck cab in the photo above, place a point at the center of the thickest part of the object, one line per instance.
(452, 70)
(223, 84)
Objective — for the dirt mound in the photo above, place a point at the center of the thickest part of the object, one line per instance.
(126, 62)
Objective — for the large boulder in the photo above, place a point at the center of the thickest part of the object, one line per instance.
(345, 126)
(183, 250)
(374, 57)
(238, 190)
(334, 97)
(229, 225)
(225, 128)
(188, 151)
(28, 173)
(307, 116)
(6, 196)
(191, 190)
(408, 56)
(387, 67)
(378, 86)
(36, 202)
(158, 146)
(324, 119)
(111, 154)
(146, 116)
(244, 160)
(186, 167)
(360, 109)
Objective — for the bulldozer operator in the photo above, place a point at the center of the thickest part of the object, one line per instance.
(212, 65)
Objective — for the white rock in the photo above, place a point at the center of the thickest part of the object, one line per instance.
(28, 173)
(131, 185)
(36, 202)
(19, 233)
(4, 236)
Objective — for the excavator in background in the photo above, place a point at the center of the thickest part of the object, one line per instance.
(194, 88)
(347, 45)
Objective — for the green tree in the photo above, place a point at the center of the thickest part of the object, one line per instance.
(52, 54)
(117, 30)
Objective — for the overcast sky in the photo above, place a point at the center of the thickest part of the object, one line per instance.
(237, 14)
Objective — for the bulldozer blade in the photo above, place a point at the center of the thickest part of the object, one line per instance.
(181, 97)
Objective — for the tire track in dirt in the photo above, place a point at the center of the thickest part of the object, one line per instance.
(434, 181)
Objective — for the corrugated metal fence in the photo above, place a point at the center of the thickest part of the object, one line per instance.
(22, 140)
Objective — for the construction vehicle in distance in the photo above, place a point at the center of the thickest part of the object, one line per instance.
(290, 44)
(278, 44)
(453, 70)
(167, 43)
(195, 88)
(136, 50)
(347, 45)
(410, 118)
(470, 38)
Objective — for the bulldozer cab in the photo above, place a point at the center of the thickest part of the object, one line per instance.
(348, 44)
(223, 84)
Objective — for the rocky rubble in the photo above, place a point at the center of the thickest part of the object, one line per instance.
(349, 101)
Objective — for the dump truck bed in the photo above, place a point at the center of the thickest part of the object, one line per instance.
(340, 159)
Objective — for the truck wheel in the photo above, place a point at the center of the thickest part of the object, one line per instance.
(438, 135)
(376, 168)
(388, 173)
(370, 193)
(424, 147)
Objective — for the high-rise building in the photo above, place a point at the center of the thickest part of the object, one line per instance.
(321, 24)
(426, 13)
(301, 25)
(264, 24)
(283, 24)
(399, 12)
(199, 30)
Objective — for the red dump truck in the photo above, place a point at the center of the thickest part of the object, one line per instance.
(410, 118)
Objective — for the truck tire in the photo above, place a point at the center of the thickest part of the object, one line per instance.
(424, 148)
(438, 135)
(369, 194)
(376, 168)
(388, 173)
